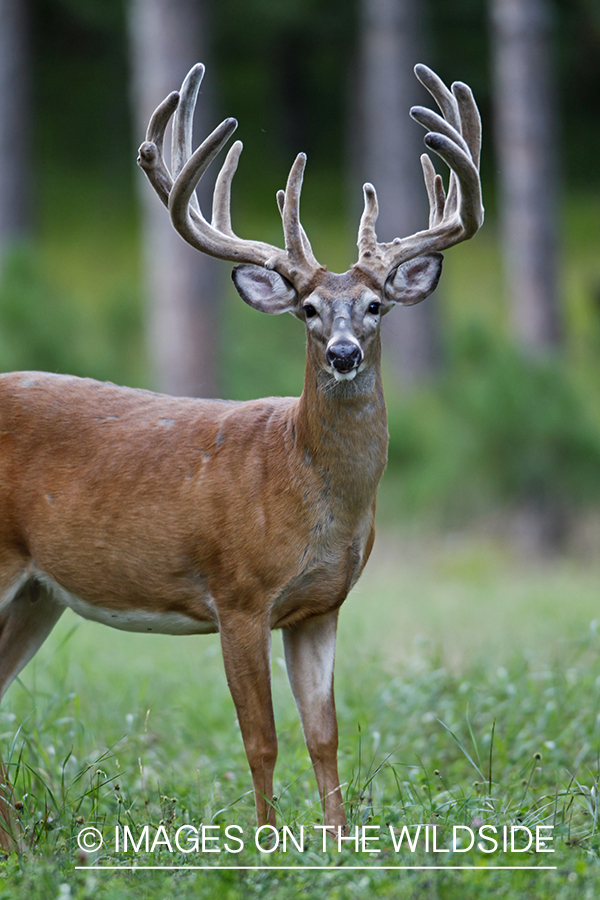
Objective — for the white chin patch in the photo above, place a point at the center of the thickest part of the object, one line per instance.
(344, 376)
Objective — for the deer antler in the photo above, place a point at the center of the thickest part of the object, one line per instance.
(456, 137)
(178, 190)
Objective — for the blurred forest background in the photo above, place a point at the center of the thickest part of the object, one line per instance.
(493, 384)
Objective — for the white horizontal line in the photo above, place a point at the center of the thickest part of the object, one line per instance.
(324, 868)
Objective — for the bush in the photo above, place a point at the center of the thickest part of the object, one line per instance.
(501, 429)
(56, 330)
(38, 327)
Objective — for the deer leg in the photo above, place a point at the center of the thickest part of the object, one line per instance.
(246, 645)
(25, 623)
(309, 655)
(24, 626)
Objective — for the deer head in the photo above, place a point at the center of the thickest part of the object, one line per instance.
(342, 312)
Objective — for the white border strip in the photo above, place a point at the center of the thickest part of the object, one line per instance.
(318, 868)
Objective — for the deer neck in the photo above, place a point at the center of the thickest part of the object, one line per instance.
(342, 431)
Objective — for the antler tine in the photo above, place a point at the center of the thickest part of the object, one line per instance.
(440, 93)
(297, 244)
(468, 184)
(367, 238)
(291, 208)
(183, 120)
(150, 156)
(455, 217)
(221, 217)
(308, 252)
(435, 191)
(469, 118)
(434, 122)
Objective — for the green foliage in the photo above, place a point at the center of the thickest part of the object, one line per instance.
(501, 428)
(38, 323)
(50, 329)
(531, 432)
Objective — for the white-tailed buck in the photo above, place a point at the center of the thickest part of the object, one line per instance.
(185, 516)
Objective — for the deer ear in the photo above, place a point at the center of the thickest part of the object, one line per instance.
(414, 280)
(265, 289)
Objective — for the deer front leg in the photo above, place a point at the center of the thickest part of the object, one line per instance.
(309, 655)
(25, 624)
(246, 644)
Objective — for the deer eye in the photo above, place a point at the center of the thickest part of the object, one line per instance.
(373, 308)
(309, 311)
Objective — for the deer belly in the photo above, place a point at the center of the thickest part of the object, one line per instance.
(158, 621)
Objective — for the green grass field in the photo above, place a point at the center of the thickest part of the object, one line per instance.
(467, 681)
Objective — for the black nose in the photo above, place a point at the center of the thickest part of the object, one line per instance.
(344, 355)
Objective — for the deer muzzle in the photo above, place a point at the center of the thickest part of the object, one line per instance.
(344, 356)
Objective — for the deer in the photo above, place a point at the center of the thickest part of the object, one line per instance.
(151, 513)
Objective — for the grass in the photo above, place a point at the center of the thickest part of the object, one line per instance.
(467, 685)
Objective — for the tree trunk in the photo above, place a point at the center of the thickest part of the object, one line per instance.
(14, 123)
(526, 139)
(392, 42)
(182, 285)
